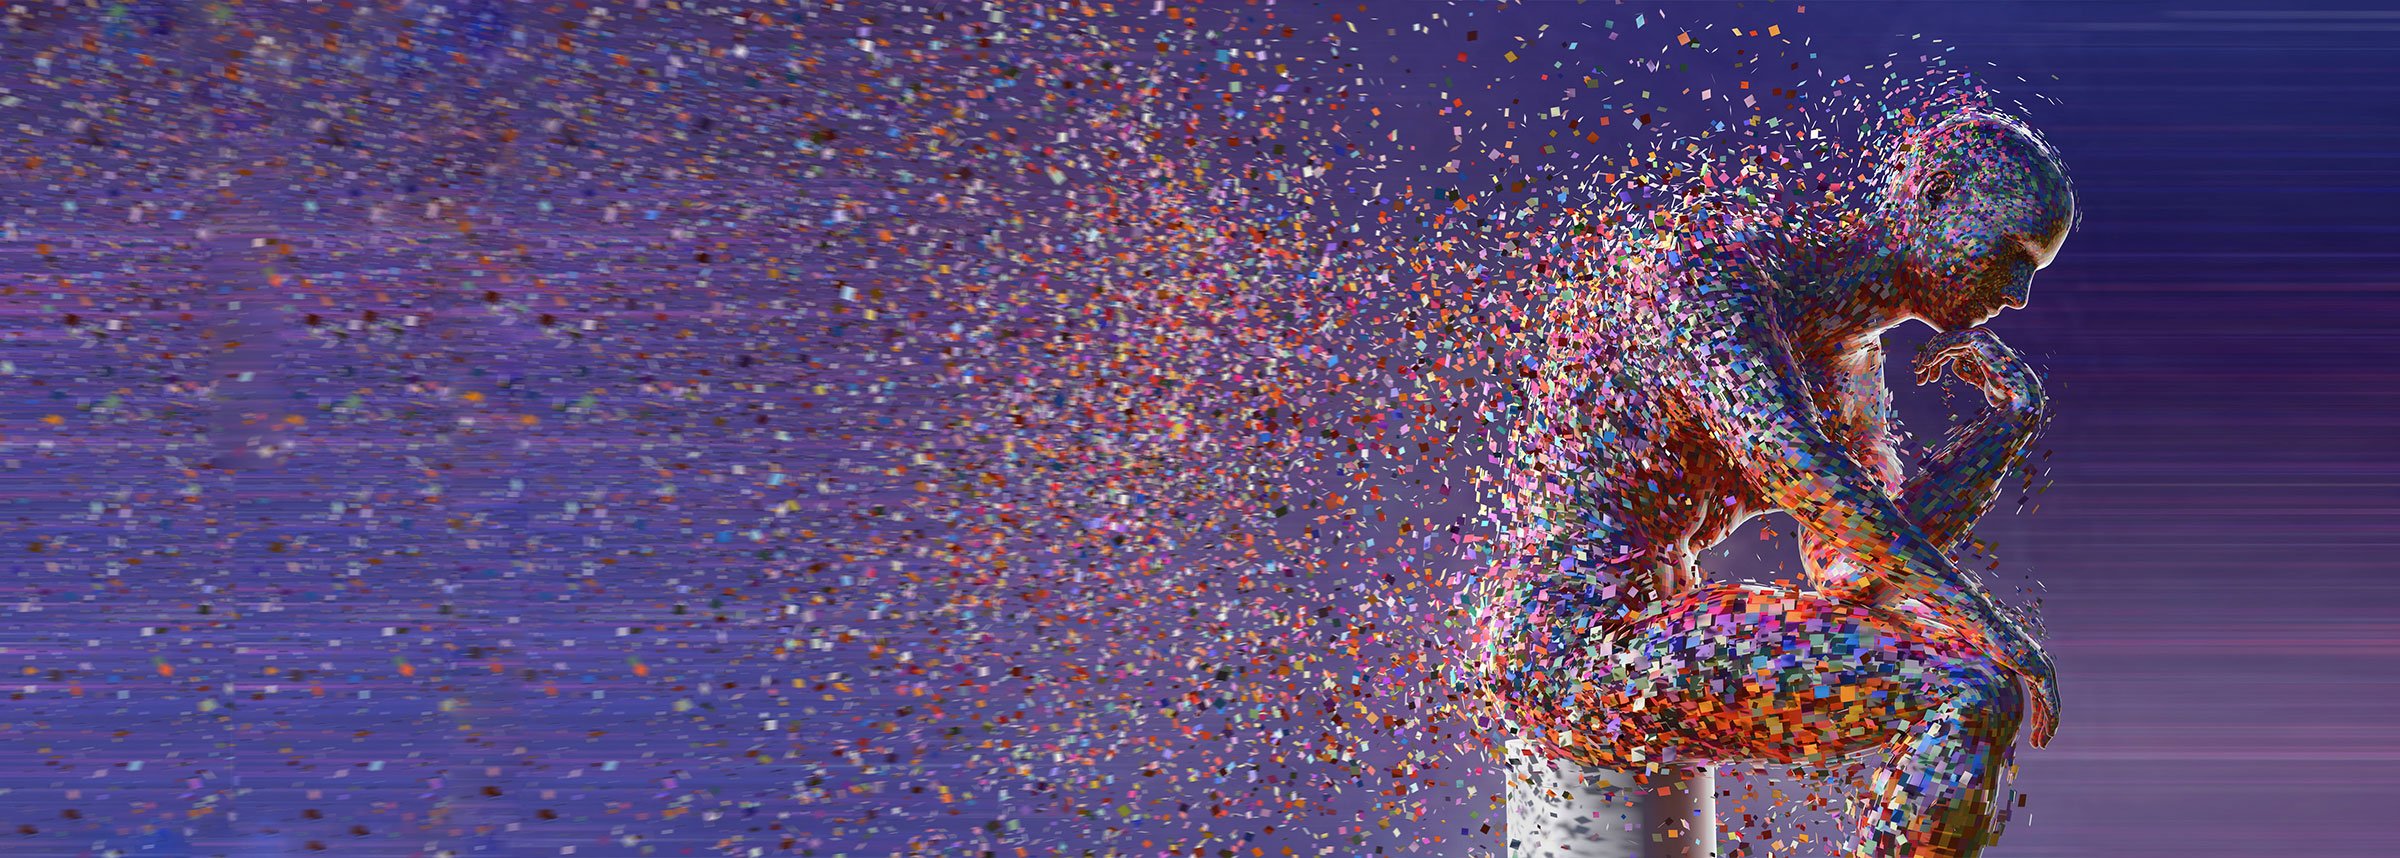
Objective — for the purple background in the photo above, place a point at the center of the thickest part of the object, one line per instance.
(2212, 542)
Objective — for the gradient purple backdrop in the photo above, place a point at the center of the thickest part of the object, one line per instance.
(2213, 545)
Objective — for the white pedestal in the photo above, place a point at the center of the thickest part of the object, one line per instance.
(1560, 809)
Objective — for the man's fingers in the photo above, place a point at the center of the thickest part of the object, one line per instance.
(1974, 356)
(2044, 720)
(2046, 727)
(1970, 339)
(1942, 344)
(1932, 361)
(2040, 684)
(1954, 361)
(1948, 338)
(1951, 351)
(2041, 703)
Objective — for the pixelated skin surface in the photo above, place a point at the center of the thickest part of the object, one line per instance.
(1714, 366)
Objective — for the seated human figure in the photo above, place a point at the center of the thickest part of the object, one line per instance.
(1725, 361)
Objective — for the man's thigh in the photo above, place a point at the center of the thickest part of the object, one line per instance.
(1744, 672)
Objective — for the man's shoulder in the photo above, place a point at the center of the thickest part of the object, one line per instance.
(1713, 240)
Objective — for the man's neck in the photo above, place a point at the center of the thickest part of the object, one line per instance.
(1839, 289)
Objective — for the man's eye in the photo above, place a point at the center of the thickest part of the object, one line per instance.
(1939, 187)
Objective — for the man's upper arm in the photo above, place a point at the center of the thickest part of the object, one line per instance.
(1736, 374)
(1861, 423)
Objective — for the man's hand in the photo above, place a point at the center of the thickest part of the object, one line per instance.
(1979, 358)
(2016, 649)
(2006, 642)
(2041, 681)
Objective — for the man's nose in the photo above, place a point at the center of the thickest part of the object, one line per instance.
(2018, 293)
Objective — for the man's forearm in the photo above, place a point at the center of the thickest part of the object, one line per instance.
(1962, 478)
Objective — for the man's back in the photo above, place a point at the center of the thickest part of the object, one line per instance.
(1607, 466)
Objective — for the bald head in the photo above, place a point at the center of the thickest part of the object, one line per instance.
(1978, 203)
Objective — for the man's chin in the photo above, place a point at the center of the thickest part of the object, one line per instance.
(1960, 323)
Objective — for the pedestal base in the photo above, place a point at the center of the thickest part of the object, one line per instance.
(1560, 809)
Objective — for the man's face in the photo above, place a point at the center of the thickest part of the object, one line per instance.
(1987, 212)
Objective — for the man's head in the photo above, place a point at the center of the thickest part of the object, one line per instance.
(1979, 203)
